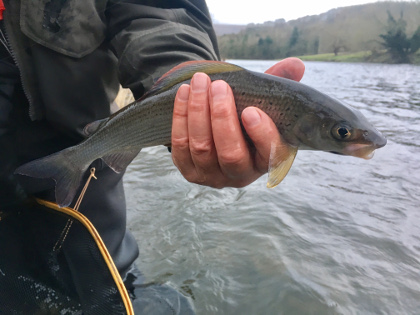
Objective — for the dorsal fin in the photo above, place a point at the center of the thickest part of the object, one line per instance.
(186, 70)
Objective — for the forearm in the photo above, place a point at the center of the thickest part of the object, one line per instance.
(150, 37)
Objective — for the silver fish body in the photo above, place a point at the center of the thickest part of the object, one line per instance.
(306, 119)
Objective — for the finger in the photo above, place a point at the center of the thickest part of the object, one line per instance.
(289, 68)
(203, 152)
(265, 136)
(231, 147)
(181, 155)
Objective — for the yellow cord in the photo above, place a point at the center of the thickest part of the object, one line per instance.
(66, 229)
(82, 194)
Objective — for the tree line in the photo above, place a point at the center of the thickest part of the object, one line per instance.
(338, 31)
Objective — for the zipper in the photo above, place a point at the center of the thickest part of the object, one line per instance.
(9, 48)
(3, 39)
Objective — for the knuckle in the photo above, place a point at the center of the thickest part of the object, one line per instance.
(198, 104)
(180, 143)
(232, 158)
(179, 112)
(221, 110)
(201, 147)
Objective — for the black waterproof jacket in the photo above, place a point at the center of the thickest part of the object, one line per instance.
(72, 55)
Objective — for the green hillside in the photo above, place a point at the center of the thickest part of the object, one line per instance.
(342, 30)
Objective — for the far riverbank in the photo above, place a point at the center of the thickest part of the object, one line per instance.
(361, 56)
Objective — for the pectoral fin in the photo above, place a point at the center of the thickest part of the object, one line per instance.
(94, 126)
(278, 168)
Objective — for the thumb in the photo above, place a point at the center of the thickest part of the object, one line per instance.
(289, 68)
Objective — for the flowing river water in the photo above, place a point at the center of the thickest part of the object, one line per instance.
(339, 235)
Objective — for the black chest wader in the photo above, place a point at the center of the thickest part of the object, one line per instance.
(38, 271)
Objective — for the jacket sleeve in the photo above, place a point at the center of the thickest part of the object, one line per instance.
(151, 36)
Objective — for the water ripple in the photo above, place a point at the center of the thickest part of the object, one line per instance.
(339, 236)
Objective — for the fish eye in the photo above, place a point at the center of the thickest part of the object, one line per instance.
(341, 132)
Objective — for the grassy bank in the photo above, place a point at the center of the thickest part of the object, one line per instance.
(361, 56)
(343, 57)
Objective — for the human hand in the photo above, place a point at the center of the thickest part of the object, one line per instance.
(208, 145)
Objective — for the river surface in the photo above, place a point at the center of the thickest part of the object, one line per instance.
(339, 235)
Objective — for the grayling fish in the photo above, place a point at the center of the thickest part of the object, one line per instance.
(306, 119)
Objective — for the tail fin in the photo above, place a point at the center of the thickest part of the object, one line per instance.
(60, 167)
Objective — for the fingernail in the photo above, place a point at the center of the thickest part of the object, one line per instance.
(251, 116)
(218, 90)
(199, 82)
(184, 92)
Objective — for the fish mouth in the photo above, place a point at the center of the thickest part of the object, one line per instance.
(372, 141)
(363, 150)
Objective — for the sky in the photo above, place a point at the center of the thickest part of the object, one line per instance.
(259, 11)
